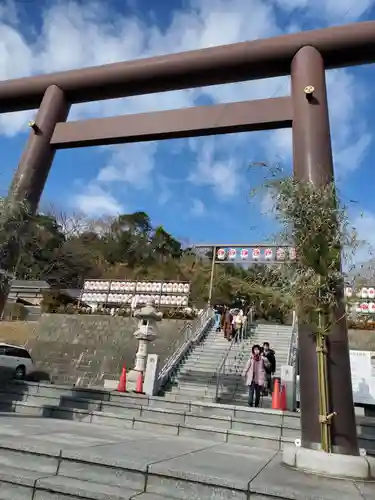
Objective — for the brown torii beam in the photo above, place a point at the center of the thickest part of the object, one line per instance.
(305, 56)
(340, 46)
(263, 114)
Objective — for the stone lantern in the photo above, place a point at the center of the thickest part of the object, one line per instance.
(148, 317)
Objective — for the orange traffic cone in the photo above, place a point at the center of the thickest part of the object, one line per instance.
(122, 383)
(139, 385)
(276, 397)
(283, 398)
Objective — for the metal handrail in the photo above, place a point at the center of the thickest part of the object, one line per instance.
(191, 334)
(223, 367)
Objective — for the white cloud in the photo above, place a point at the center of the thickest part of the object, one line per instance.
(330, 11)
(77, 35)
(130, 164)
(97, 202)
(267, 204)
(8, 12)
(364, 223)
(198, 208)
(210, 171)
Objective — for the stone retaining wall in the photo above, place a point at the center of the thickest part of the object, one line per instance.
(86, 349)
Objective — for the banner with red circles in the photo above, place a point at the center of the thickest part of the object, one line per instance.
(114, 293)
(360, 300)
(256, 254)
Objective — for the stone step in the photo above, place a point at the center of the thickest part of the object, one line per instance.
(214, 360)
(208, 360)
(17, 483)
(185, 425)
(50, 460)
(176, 418)
(196, 368)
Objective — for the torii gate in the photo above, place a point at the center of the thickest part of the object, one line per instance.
(305, 56)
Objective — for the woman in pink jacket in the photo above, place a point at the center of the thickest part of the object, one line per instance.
(255, 374)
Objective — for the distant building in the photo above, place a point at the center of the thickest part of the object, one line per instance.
(29, 293)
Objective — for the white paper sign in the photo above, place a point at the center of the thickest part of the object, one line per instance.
(362, 365)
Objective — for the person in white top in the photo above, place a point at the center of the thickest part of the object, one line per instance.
(237, 324)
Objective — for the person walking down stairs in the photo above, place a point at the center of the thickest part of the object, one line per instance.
(270, 371)
(227, 324)
(255, 374)
(218, 315)
(238, 322)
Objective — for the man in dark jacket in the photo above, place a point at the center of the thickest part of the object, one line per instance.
(270, 355)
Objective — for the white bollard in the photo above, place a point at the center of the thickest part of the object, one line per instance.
(151, 374)
(288, 378)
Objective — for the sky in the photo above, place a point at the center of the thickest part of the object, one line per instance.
(198, 189)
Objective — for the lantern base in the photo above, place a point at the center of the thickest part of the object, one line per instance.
(329, 464)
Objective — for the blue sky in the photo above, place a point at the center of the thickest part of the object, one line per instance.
(197, 188)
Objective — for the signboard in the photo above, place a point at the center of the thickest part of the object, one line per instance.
(362, 364)
(127, 292)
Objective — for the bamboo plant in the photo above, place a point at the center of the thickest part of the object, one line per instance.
(314, 222)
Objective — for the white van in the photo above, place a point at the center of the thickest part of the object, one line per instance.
(17, 359)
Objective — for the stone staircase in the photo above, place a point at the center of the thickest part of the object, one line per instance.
(279, 337)
(73, 444)
(196, 377)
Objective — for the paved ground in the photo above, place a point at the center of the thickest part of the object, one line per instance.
(194, 467)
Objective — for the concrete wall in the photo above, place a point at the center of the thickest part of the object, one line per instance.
(85, 349)
(362, 340)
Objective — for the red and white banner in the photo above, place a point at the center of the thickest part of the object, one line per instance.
(364, 307)
(280, 254)
(244, 253)
(232, 254)
(221, 253)
(292, 253)
(256, 253)
(268, 254)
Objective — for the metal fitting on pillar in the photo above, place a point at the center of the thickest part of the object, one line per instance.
(34, 126)
(309, 92)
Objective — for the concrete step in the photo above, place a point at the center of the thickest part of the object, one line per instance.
(267, 432)
(204, 368)
(17, 483)
(208, 360)
(218, 422)
(50, 460)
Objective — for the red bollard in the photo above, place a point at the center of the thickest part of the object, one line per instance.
(276, 396)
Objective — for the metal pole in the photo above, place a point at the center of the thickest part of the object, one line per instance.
(212, 276)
